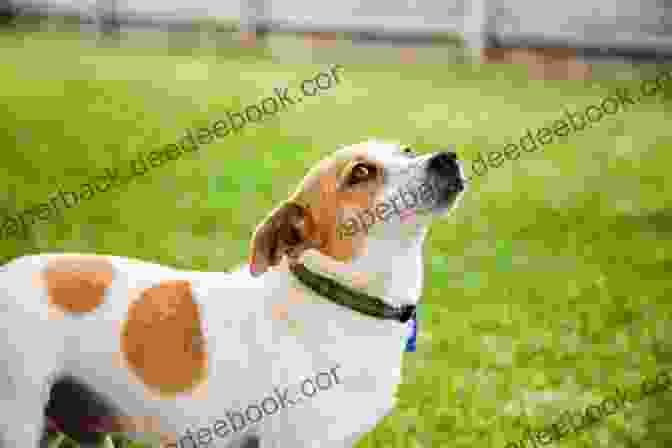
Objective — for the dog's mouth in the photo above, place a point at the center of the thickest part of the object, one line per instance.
(453, 187)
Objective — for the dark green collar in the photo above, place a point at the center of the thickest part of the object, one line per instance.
(351, 298)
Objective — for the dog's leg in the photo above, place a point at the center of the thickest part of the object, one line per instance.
(21, 422)
(24, 391)
(23, 394)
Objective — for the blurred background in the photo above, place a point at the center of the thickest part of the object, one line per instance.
(544, 292)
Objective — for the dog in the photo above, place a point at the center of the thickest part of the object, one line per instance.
(175, 356)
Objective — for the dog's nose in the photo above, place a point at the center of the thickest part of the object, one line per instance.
(444, 163)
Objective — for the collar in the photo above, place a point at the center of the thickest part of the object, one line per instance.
(351, 298)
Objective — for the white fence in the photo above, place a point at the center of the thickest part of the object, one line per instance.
(623, 24)
(594, 23)
(397, 15)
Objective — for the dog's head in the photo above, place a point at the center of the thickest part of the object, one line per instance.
(371, 190)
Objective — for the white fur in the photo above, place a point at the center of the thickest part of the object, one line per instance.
(250, 351)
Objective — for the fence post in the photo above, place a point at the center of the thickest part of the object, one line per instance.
(475, 26)
(7, 12)
(252, 19)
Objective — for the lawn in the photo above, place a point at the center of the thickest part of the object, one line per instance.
(544, 292)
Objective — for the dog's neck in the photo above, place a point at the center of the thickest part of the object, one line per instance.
(389, 270)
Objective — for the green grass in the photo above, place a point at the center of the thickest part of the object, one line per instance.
(546, 290)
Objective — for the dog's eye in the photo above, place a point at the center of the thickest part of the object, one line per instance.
(361, 173)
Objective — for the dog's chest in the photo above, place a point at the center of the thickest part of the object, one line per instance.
(310, 338)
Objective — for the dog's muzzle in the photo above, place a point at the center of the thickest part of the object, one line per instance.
(444, 169)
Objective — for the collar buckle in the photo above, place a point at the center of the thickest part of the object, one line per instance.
(406, 313)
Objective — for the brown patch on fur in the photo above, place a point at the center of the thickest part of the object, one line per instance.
(311, 217)
(77, 284)
(323, 192)
(135, 294)
(119, 360)
(162, 340)
(287, 231)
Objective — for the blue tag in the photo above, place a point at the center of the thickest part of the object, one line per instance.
(412, 333)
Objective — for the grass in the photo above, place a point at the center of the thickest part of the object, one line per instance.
(543, 293)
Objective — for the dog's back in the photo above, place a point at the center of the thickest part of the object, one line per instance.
(114, 344)
(108, 351)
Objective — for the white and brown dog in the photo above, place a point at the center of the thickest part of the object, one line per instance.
(194, 357)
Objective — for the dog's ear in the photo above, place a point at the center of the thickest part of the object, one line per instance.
(288, 230)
